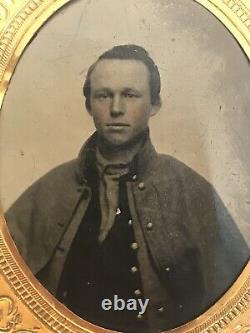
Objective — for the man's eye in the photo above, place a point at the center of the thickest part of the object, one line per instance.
(131, 95)
(102, 96)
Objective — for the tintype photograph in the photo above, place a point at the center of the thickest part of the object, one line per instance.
(124, 161)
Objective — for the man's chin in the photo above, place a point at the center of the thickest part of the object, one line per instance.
(119, 141)
(115, 143)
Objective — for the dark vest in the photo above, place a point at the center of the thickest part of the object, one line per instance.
(95, 271)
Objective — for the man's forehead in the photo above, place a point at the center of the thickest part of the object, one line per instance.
(119, 72)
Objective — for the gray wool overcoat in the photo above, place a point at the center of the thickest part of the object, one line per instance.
(193, 235)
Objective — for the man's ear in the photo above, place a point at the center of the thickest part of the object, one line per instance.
(155, 108)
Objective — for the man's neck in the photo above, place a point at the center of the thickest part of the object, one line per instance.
(120, 154)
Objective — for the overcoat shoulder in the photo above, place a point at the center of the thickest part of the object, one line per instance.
(38, 218)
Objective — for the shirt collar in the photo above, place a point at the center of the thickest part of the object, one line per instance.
(104, 167)
(142, 162)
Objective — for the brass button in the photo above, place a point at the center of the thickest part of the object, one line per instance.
(150, 226)
(130, 222)
(141, 186)
(134, 177)
(167, 269)
(161, 309)
(134, 246)
(118, 211)
(134, 269)
(137, 292)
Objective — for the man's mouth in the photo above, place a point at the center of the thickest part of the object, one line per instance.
(117, 125)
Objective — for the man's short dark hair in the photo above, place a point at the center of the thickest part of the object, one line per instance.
(127, 52)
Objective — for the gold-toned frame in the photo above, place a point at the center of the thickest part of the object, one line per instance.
(25, 306)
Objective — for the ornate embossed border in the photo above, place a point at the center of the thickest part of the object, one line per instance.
(25, 306)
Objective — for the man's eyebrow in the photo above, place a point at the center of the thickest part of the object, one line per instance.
(110, 91)
(102, 89)
(127, 89)
(131, 90)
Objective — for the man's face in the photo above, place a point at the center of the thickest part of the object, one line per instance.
(120, 100)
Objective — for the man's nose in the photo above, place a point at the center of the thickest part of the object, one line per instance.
(117, 106)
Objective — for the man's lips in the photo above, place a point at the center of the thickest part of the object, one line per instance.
(118, 125)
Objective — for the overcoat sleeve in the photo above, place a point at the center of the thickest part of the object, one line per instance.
(222, 249)
(39, 217)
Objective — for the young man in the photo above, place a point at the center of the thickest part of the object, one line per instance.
(122, 221)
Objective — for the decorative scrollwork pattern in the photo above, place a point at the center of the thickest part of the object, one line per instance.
(16, 18)
(241, 10)
(242, 329)
(10, 318)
